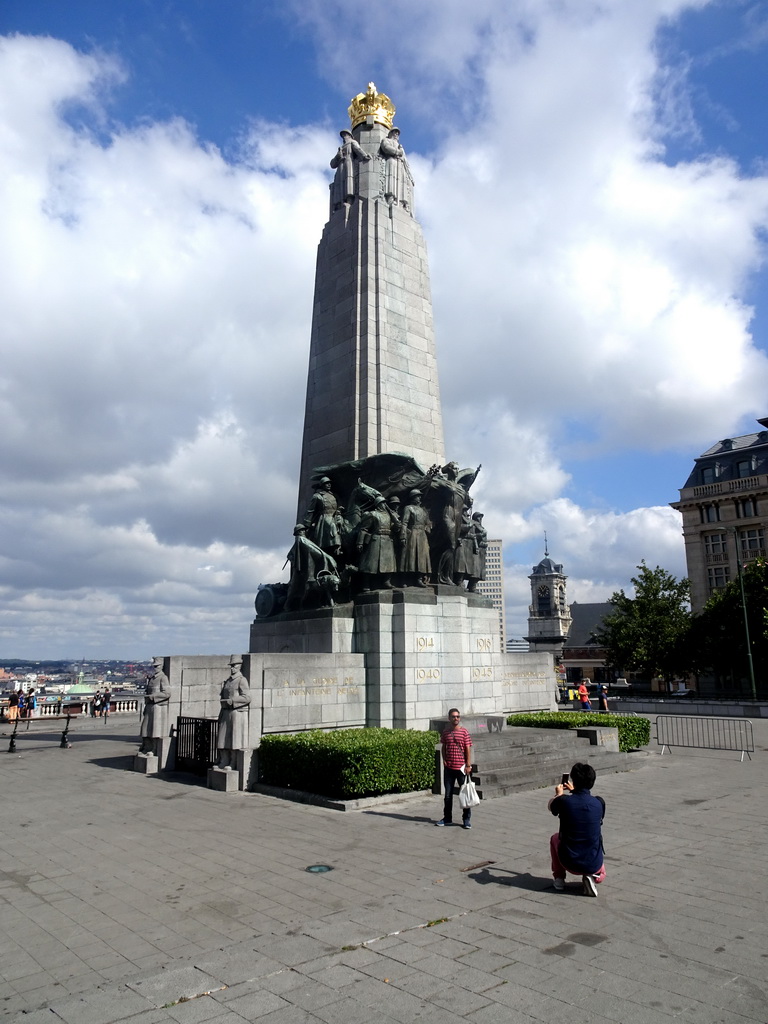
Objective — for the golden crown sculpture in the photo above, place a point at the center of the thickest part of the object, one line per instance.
(371, 104)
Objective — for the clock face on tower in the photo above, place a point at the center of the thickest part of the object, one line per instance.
(543, 591)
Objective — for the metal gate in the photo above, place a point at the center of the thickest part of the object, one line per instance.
(195, 744)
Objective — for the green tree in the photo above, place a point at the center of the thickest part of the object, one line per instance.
(718, 635)
(648, 633)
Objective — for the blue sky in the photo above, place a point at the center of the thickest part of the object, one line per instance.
(603, 321)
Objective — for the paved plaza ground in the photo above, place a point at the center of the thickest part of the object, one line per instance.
(126, 898)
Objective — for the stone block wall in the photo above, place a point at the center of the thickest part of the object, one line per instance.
(307, 691)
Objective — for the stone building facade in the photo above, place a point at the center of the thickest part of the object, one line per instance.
(493, 584)
(724, 505)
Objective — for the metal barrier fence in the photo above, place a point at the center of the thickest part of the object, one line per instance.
(705, 733)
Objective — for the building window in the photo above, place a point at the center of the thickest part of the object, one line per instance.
(709, 474)
(746, 508)
(715, 543)
(752, 541)
(710, 513)
(718, 576)
(744, 467)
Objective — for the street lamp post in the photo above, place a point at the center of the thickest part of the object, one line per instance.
(734, 531)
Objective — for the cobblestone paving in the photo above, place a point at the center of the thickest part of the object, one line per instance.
(125, 898)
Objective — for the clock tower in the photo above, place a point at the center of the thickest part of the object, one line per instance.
(549, 619)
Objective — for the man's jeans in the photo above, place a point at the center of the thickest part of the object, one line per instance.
(558, 871)
(451, 776)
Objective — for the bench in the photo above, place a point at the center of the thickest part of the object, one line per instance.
(64, 745)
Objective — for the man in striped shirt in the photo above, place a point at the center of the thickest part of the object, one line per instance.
(457, 764)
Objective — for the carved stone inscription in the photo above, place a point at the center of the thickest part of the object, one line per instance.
(510, 679)
(304, 696)
(336, 687)
(427, 675)
(321, 686)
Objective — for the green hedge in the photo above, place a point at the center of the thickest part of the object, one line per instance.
(634, 731)
(350, 763)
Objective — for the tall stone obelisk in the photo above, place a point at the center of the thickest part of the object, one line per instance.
(372, 383)
(365, 633)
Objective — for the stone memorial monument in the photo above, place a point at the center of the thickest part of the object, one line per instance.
(380, 622)
(376, 492)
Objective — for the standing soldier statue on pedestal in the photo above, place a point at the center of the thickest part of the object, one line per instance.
(232, 731)
(154, 719)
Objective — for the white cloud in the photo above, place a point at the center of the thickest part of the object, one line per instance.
(151, 388)
(588, 269)
(157, 297)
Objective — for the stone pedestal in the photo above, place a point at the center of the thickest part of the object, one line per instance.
(225, 780)
(151, 764)
(322, 631)
(424, 650)
(394, 658)
(147, 764)
(428, 650)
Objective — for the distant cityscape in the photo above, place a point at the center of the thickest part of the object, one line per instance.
(49, 679)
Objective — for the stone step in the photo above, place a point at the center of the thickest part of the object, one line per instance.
(549, 767)
(565, 746)
(514, 742)
(519, 758)
(542, 776)
(527, 737)
(559, 761)
(520, 734)
(553, 761)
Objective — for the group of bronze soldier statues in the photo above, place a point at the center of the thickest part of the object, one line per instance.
(427, 533)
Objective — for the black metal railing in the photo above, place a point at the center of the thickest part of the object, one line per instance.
(195, 744)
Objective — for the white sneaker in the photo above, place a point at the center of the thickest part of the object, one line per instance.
(558, 884)
(590, 888)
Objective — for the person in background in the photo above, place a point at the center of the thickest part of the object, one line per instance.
(457, 764)
(105, 701)
(584, 704)
(12, 711)
(602, 697)
(22, 704)
(30, 703)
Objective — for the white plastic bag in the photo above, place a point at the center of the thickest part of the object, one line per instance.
(468, 794)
